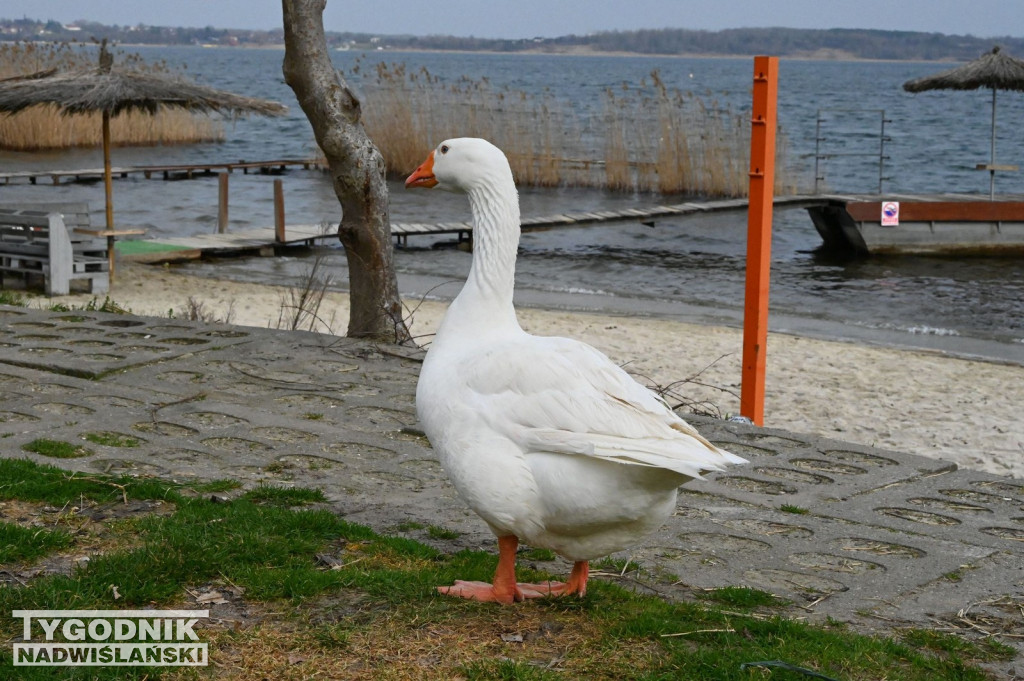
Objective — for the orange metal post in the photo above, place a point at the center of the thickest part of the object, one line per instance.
(759, 237)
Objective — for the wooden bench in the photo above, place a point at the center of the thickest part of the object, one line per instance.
(41, 241)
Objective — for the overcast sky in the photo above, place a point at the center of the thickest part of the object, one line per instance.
(549, 18)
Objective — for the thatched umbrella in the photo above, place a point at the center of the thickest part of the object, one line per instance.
(996, 70)
(113, 90)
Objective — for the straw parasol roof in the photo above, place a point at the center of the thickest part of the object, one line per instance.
(112, 90)
(996, 70)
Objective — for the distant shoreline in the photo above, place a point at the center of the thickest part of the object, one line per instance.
(827, 44)
(578, 51)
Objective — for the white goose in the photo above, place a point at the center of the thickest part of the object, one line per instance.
(548, 440)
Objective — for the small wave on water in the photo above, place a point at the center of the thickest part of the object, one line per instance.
(576, 290)
(931, 331)
(922, 330)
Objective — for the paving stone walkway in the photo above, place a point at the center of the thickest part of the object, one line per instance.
(877, 538)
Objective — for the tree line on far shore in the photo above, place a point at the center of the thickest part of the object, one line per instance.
(834, 43)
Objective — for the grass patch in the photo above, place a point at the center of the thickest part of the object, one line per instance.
(111, 439)
(12, 298)
(94, 305)
(108, 305)
(337, 600)
(790, 508)
(438, 532)
(27, 543)
(56, 449)
(214, 486)
(284, 496)
(957, 648)
(28, 481)
(409, 526)
(741, 597)
(619, 566)
(506, 670)
(276, 467)
(542, 555)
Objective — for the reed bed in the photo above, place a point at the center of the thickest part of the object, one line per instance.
(46, 128)
(649, 137)
(674, 142)
(402, 109)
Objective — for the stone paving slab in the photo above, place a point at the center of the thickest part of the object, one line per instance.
(91, 345)
(868, 536)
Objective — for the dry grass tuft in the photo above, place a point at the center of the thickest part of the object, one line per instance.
(417, 642)
(300, 308)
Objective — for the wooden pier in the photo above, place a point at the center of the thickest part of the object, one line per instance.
(263, 240)
(165, 172)
(403, 230)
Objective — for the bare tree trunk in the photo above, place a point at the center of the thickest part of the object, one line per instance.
(357, 169)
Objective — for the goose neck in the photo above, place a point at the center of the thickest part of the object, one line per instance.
(495, 210)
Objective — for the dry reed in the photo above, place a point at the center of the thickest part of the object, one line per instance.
(650, 138)
(402, 110)
(46, 128)
(662, 140)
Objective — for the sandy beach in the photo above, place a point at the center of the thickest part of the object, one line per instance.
(919, 402)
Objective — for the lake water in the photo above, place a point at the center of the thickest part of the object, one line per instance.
(689, 268)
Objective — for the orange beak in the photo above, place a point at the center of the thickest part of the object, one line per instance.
(424, 175)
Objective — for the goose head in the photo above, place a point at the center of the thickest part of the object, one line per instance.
(462, 165)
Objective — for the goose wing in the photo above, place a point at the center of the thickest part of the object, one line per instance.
(561, 396)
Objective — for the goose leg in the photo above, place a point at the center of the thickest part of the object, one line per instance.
(506, 590)
(577, 583)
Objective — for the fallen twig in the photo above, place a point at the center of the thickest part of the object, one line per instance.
(701, 631)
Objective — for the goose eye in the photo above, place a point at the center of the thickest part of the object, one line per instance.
(444, 148)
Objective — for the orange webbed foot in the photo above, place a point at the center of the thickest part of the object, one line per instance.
(506, 590)
(482, 591)
(577, 583)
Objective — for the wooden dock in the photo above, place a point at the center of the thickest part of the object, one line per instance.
(165, 172)
(263, 240)
(403, 230)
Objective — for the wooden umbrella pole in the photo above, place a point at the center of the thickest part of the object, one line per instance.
(108, 190)
(992, 156)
